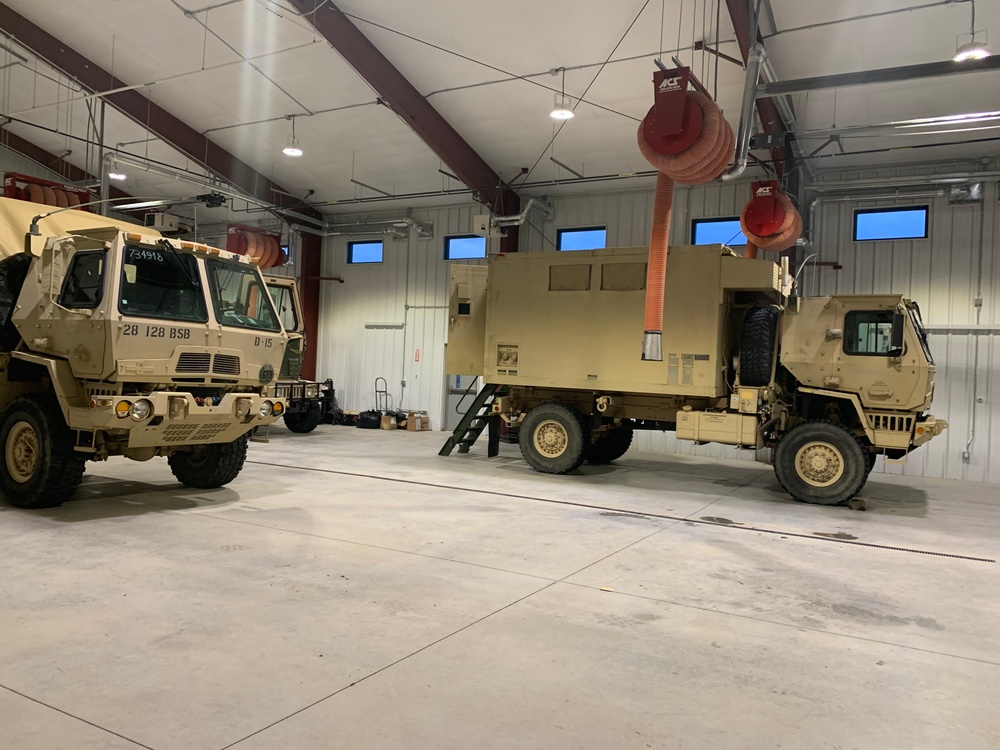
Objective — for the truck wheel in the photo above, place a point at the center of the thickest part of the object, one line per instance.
(757, 341)
(39, 468)
(821, 462)
(553, 439)
(303, 421)
(611, 446)
(207, 467)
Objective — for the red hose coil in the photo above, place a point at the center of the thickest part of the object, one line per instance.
(703, 161)
(789, 231)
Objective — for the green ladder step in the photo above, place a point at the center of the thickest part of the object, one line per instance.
(476, 419)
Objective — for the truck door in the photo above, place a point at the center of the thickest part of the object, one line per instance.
(286, 301)
(467, 320)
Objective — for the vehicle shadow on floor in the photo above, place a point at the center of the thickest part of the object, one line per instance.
(107, 497)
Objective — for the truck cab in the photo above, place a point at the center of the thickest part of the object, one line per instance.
(117, 341)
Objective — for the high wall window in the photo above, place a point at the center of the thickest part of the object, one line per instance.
(364, 251)
(724, 231)
(464, 247)
(906, 223)
(582, 238)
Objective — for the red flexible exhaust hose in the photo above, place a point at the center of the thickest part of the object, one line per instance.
(703, 161)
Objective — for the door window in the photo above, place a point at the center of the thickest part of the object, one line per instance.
(84, 284)
(868, 332)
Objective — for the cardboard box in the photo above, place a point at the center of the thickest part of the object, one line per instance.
(388, 422)
(417, 421)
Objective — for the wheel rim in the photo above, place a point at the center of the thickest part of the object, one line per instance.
(22, 452)
(551, 439)
(819, 464)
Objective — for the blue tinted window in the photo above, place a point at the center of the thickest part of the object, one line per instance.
(464, 247)
(364, 252)
(717, 232)
(585, 238)
(890, 223)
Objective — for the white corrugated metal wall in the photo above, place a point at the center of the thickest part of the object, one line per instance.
(942, 273)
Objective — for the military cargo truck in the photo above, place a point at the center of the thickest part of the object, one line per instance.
(115, 341)
(828, 382)
(307, 403)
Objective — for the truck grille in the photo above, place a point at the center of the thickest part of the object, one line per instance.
(891, 422)
(194, 362)
(226, 364)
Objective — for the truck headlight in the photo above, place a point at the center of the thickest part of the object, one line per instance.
(312, 391)
(266, 408)
(141, 410)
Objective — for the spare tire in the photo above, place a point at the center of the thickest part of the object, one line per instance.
(757, 344)
(13, 272)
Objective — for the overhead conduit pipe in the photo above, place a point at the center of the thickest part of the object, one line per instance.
(686, 138)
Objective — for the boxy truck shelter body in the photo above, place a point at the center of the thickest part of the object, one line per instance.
(829, 381)
(115, 341)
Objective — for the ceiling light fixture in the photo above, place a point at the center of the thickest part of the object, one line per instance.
(116, 175)
(973, 49)
(292, 148)
(562, 111)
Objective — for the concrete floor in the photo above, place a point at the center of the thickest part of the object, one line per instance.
(382, 597)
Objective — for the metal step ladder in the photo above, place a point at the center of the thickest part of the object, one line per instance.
(478, 418)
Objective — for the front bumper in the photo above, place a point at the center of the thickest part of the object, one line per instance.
(178, 419)
(928, 428)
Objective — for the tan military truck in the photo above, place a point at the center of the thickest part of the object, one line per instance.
(115, 341)
(828, 382)
(308, 403)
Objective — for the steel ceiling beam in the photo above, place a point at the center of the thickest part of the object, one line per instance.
(413, 108)
(137, 107)
(50, 161)
(770, 119)
(881, 75)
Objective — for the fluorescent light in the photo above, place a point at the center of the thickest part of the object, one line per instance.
(562, 113)
(141, 204)
(292, 149)
(116, 175)
(972, 51)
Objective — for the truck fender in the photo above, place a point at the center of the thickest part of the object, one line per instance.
(850, 398)
(65, 385)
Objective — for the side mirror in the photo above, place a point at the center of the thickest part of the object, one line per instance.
(896, 342)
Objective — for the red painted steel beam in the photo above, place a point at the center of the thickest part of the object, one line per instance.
(310, 272)
(139, 108)
(770, 119)
(413, 108)
(39, 155)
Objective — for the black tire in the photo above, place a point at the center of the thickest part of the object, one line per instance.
(553, 438)
(757, 343)
(821, 462)
(303, 422)
(207, 467)
(611, 446)
(38, 466)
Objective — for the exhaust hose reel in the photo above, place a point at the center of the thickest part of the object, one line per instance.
(687, 139)
(769, 219)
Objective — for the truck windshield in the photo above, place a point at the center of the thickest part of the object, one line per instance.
(918, 324)
(282, 296)
(240, 297)
(159, 284)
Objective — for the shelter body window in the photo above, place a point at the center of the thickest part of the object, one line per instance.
(723, 231)
(582, 238)
(158, 282)
(464, 247)
(84, 285)
(906, 223)
(364, 251)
